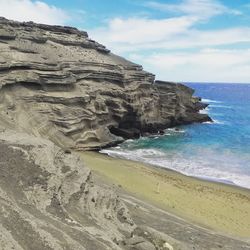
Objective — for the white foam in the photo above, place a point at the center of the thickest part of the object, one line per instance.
(204, 111)
(210, 101)
(218, 122)
(219, 106)
(137, 154)
(129, 140)
(215, 122)
(213, 167)
(175, 130)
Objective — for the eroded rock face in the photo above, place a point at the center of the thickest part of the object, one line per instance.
(57, 83)
(49, 201)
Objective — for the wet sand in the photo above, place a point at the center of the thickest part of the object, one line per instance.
(217, 206)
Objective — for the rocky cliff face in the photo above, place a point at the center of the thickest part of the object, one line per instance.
(49, 201)
(57, 83)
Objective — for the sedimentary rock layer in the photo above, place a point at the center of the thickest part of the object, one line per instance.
(48, 200)
(57, 83)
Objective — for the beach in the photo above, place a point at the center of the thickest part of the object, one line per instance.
(220, 207)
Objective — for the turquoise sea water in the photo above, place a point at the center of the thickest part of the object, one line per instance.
(218, 151)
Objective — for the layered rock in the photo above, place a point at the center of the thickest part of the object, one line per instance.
(48, 200)
(57, 83)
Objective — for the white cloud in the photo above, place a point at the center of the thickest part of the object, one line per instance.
(196, 38)
(37, 11)
(205, 65)
(134, 34)
(202, 8)
(130, 35)
(184, 51)
(142, 30)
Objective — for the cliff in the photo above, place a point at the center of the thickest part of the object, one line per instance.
(48, 199)
(57, 83)
(60, 90)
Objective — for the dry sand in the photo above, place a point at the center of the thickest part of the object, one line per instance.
(220, 207)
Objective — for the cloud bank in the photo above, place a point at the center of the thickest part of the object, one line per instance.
(37, 11)
(177, 47)
(206, 65)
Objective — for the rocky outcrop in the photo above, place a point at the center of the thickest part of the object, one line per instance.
(57, 83)
(48, 200)
(60, 90)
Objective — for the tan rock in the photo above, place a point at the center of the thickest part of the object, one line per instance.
(63, 86)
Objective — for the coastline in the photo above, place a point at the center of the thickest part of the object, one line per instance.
(200, 177)
(224, 208)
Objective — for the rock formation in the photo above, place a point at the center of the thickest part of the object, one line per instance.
(57, 83)
(48, 200)
(60, 90)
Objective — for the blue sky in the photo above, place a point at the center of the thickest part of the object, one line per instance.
(178, 40)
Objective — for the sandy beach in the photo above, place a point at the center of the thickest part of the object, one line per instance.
(220, 207)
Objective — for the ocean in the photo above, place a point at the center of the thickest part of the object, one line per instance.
(218, 151)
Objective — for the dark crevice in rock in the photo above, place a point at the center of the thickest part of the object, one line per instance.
(131, 133)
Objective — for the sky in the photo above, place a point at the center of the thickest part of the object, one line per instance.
(177, 40)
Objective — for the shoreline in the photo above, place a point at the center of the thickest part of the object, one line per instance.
(221, 207)
(199, 177)
(202, 178)
(180, 129)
